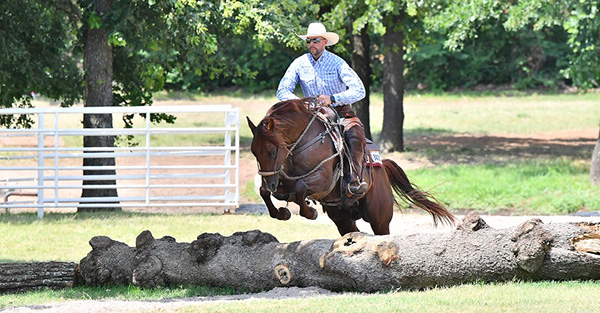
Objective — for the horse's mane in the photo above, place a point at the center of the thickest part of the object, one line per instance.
(287, 115)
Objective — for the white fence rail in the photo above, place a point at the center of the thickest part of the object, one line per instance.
(191, 163)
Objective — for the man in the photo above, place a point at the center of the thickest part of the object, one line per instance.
(328, 77)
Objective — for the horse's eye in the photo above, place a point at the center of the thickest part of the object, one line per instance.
(272, 154)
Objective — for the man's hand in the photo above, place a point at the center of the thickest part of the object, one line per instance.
(324, 100)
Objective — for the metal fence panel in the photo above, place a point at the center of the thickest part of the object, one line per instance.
(191, 163)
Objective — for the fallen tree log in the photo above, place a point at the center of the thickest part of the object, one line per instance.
(19, 277)
(255, 260)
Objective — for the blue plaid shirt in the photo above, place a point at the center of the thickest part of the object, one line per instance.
(329, 75)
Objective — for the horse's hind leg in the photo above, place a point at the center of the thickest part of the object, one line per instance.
(377, 207)
(345, 224)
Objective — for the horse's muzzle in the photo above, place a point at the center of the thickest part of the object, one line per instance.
(270, 183)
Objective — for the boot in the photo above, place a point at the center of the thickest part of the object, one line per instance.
(357, 187)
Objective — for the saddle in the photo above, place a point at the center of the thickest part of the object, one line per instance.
(346, 119)
(336, 124)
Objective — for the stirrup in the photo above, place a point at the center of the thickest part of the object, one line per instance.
(359, 190)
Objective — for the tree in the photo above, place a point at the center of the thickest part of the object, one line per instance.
(398, 24)
(392, 138)
(580, 19)
(98, 65)
(35, 57)
(129, 49)
(361, 63)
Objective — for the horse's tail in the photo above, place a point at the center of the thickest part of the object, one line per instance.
(413, 195)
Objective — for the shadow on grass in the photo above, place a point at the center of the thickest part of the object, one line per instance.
(126, 293)
(28, 218)
(441, 146)
(420, 132)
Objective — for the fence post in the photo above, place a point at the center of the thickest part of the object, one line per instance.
(40, 155)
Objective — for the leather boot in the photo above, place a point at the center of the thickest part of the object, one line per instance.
(356, 143)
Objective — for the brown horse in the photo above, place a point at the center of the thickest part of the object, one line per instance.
(300, 156)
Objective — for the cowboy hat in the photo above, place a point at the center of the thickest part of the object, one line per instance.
(318, 30)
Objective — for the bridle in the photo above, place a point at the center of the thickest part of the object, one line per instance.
(275, 172)
(331, 130)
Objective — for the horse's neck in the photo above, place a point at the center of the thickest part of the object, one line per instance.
(299, 128)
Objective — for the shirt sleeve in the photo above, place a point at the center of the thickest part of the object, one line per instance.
(285, 90)
(355, 89)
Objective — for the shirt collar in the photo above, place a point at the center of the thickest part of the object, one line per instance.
(320, 60)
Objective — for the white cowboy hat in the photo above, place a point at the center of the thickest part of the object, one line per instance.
(318, 30)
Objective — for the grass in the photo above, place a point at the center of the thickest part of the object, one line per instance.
(64, 237)
(536, 186)
(495, 114)
(548, 297)
(131, 293)
(504, 297)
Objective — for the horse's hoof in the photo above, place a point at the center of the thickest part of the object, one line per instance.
(312, 214)
(284, 214)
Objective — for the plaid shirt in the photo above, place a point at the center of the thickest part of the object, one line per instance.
(329, 75)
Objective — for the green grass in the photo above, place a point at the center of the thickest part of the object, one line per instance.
(64, 237)
(505, 297)
(559, 297)
(539, 186)
(474, 114)
(132, 293)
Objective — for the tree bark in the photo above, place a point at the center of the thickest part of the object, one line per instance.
(361, 63)
(595, 167)
(256, 261)
(391, 138)
(19, 277)
(98, 65)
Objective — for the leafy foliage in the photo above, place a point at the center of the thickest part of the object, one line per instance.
(36, 56)
(579, 19)
(525, 59)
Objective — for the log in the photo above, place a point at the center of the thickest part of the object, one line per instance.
(19, 277)
(254, 260)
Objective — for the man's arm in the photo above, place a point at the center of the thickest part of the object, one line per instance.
(288, 82)
(356, 89)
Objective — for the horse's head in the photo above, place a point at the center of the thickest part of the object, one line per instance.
(270, 151)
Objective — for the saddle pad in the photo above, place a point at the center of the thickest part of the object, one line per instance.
(372, 150)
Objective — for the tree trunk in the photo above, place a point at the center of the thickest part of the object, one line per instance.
(98, 65)
(391, 138)
(19, 277)
(256, 261)
(361, 63)
(595, 167)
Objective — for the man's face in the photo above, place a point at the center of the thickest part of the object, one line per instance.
(316, 48)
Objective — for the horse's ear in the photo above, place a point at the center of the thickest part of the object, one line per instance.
(271, 124)
(250, 124)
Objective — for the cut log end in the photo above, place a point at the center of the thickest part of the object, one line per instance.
(283, 274)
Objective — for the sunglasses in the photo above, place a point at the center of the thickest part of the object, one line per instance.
(315, 40)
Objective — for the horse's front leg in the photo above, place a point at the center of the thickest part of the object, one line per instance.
(301, 191)
(281, 213)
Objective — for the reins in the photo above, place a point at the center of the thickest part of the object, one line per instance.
(330, 130)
